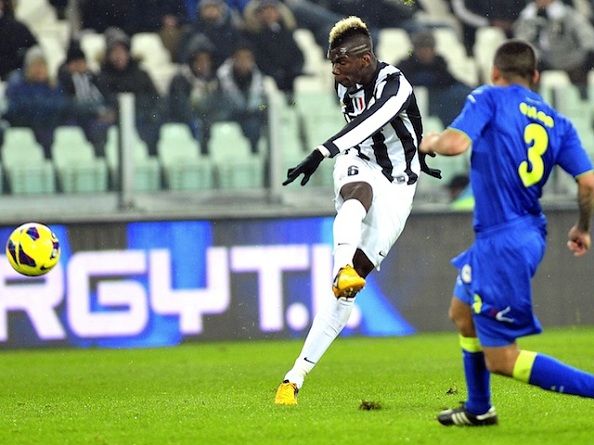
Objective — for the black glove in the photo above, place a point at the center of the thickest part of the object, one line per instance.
(308, 166)
(435, 172)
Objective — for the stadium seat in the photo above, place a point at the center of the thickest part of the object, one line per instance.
(27, 172)
(432, 123)
(236, 166)
(394, 45)
(183, 166)
(321, 116)
(568, 101)
(155, 58)
(465, 69)
(449, 46)
(176, 143)
(149, 47)
(54, 52)
(93, 45)
(36, 13)
(422, 96)
(549, 81)
(291, 136)
(78, 168)
(488, 39)
(146, 169)
(3, 101)
(315, 60)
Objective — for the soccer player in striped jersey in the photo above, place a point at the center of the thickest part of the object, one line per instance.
(516, 140)
(375, 176)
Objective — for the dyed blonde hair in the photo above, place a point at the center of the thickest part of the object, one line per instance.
(345, 28)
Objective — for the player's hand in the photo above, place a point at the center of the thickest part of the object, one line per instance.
(427, 143)
(435, 172)
(307, 167)
(579, 241)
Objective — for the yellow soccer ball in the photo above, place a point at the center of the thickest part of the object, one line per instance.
(32, 249)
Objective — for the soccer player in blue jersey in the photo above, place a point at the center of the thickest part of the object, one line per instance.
(516, 140)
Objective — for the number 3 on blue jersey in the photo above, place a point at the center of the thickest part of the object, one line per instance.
(537, 140)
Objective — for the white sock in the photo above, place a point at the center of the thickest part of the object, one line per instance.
(327, 324)
(347, 232)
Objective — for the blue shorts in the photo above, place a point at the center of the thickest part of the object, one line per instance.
(494, 279)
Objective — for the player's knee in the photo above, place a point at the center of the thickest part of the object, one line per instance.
(497, 367)
(463, 323)
(500, 362)
(361, 191)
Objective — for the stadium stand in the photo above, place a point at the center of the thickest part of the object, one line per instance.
(27, 171)
(154, 57)
(230, 165)
(486, 42)
(183, 166)
(147, 171)
(394, 45)
(77, 167)
(236, 166)
(93, 44)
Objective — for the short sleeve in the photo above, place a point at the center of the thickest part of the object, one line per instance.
(477, 112)
(572, 156)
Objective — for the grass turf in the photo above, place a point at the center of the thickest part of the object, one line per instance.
(222, 393)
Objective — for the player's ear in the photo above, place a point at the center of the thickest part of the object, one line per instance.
(495, 75)
(367, 59)
(535, 77)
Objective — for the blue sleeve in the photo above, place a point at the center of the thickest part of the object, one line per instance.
(476, 114)
(572, 156)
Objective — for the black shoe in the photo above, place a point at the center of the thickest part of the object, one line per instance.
(461, 417)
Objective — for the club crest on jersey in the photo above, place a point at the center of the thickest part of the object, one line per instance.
(358, 104)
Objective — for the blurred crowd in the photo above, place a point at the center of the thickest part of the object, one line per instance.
(224, 49)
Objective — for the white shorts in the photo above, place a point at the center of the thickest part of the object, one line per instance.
(390, 207)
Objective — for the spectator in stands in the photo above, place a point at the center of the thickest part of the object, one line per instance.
(474, 14)
(242, 85)
(15, 39)
(87, 106)
(33, 101)
(428, 69)
(120, 73)
(194, 95)
(563, 37)
(271, 26)
(217, 22)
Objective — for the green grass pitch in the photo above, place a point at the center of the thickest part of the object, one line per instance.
(222, 393)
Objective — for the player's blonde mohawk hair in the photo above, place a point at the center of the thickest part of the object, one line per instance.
(345, 26)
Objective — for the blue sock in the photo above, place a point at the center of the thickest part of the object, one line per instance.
(553, 375)
(477, 376)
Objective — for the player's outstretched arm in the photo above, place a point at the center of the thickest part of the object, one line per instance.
(449, 142)
(307, 167)
(579, 235)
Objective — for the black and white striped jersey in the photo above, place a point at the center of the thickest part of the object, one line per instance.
(383, 124)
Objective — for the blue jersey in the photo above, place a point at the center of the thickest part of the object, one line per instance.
(517, 139)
